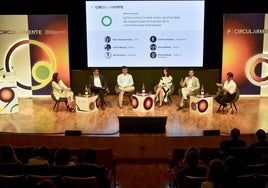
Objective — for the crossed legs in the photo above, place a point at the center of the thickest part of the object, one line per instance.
(122, 91)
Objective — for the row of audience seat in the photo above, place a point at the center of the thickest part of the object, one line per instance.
(251, 165)
(24, 173)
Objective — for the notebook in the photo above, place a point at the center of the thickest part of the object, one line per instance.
(220, 86)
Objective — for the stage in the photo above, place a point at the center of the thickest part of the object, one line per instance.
(36, 116)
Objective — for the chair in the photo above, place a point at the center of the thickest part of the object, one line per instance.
(34, 179)
(78, 153)
(58, 101)
(174, 158)
(206, 154)
(193, 181)
(24, 153)
(128, 94)
(13, 181)
(11, 169)
(73, 170)
(245, 181)
(90, 170)
(260, 154)
(261, 180)
(232, 102)
(240, 153)
(169, 94)
(81, 182)
(41, 169)
(106, 157)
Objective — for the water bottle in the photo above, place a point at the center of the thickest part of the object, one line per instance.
(143, 88)
(202, 91)
(86, 90)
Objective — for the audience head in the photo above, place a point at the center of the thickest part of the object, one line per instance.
(235, 133)
(192, 157)
(90, 156)
(216, 172)
(62, 156)
(7, 155)
(46, 183)
(261, 135)
(43, 152)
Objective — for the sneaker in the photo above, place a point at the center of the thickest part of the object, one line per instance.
(165, 99)
(179, 108)
(230, 111)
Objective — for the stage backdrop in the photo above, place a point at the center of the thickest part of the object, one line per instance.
(34, 47)
(245, 52)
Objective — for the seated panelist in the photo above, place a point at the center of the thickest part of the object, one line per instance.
(164, 87)
(98, 85)
(190, 85)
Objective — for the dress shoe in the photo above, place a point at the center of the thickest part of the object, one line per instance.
(71, 109)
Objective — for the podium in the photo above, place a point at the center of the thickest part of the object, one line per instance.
(143, 102)
(201, 104)
(86, 104)
(8, 93)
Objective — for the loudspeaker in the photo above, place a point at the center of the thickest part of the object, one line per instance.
(211, 132)
(73, 133)
(144, 124)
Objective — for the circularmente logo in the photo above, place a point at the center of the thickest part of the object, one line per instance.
(251, 65)
(106, 21)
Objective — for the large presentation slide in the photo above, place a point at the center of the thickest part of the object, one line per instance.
(145, 33)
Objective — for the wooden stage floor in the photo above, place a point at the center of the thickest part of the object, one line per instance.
(36, 116)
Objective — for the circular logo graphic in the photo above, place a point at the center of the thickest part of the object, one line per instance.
(6, 94)
(148, 103)
(193, 105)
(91, 106)
(251, 67)
(135, 102)
(202, 105)
(42, 71)
(106, 21)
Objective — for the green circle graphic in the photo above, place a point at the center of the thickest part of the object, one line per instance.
(106, 21)
(42, 72)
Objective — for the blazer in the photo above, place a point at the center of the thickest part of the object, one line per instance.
(102, 80)
(195, 83)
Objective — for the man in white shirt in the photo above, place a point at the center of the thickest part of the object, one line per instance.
(125, 84)
(229, 91)
(190, 86)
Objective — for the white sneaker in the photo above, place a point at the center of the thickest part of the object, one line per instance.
(230, 111)
(165, 99)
